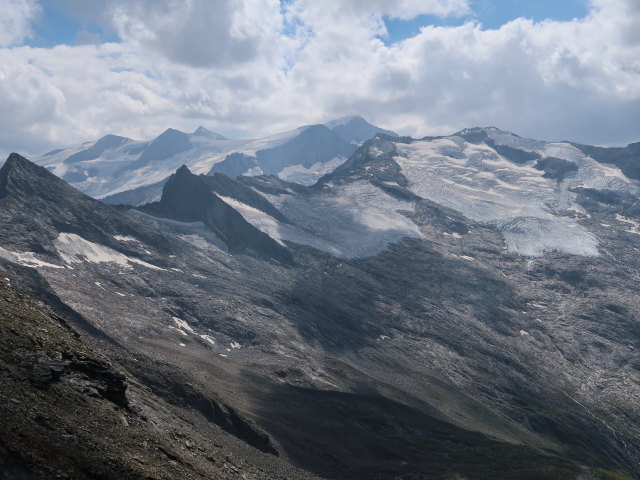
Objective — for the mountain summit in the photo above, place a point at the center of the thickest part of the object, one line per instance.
(355, 129)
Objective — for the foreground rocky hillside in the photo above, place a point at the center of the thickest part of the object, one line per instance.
(450, 307)
(67, 412)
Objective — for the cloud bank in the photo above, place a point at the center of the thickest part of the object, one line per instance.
(260, 66)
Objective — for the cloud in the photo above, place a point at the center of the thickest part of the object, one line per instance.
(554, 80)
(15, 20)
(260, 66)
(200, 33)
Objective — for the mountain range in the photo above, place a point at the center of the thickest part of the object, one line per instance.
(120, 169)
(463, 306)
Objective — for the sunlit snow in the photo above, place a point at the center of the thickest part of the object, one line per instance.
(482, 185)
(75, 249)
(27, 259)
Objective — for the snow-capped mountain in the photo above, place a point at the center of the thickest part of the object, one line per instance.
(530, 191)
(115, 164)
(302, 158)
(438, 300)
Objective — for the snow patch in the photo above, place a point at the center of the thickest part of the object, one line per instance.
(349, 221)
(635, 226)
(179, 330)
(75, 249)
(182, 325)
(253, 172)
(310, 175)
(26, 259)
(126, 238)
(454, 235)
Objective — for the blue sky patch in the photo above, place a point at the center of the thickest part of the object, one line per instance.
(492, 14)
(56, 26)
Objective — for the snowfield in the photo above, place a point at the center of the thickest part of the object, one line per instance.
(350, 221)
(531, 211)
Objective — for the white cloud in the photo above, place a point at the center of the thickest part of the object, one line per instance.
(254, 66)
(15, 20)
(201, 33)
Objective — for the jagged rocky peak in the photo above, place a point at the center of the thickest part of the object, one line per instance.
(191, 198)
(16, 160)
(373, 161)
(183, 171)
(473, 134)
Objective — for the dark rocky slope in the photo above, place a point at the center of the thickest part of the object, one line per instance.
(38, 206)
(67, 412)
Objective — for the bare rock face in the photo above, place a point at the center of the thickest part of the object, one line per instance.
(36, 206)
(188, 198)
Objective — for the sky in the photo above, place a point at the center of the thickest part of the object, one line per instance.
(74, 70)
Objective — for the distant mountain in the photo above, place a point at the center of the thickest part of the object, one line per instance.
(204, 132)
(137, 196)
(108, 142)
(356, 130)
(299, 159)
(114, 165)
(171, 142)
